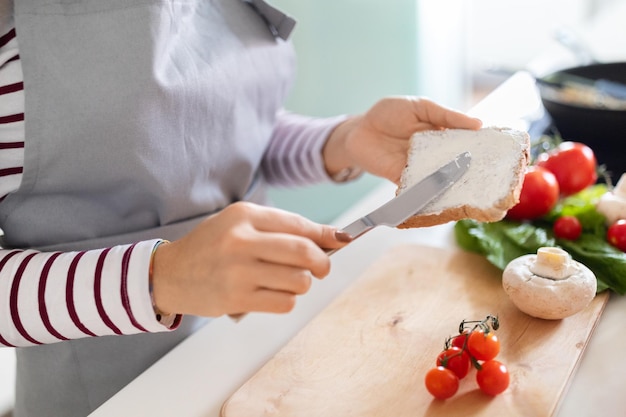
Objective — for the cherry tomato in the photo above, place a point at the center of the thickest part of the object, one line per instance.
(456, 360)
(573, 164)
(483, 346)
(492, 377)
(616, 235)
(442, 383)
(539, 194)
(567, 227)
(459, 340)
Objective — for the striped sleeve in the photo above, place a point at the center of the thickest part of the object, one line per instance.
(294, 155)
(11, 114)
(51, 297)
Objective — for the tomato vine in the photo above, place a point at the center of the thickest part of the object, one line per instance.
(477, 346)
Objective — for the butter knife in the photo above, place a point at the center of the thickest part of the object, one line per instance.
(411, 201)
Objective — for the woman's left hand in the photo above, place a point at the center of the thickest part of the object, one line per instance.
(378, 140)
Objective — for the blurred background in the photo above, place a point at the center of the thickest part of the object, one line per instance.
(353, 52)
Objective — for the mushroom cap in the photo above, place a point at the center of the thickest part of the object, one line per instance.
(548, 298)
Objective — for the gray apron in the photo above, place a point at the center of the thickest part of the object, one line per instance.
(142, 117)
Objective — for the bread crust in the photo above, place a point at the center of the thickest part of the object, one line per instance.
(497, 211)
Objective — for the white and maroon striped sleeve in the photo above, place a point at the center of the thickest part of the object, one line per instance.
(11, 114)
(294, 155)
(50, 297)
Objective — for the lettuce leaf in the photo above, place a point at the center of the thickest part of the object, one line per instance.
(500, 242)
(503, 241)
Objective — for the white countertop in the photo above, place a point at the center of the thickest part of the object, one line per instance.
(202, 372)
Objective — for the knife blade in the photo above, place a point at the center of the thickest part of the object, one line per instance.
(411, 201)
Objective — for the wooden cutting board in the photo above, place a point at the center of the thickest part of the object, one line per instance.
(366, 354)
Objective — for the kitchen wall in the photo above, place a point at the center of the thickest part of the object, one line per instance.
(351, 52)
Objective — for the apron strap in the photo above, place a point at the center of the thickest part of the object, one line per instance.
(279, 23)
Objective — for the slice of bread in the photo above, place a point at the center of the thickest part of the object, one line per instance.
(489, 188)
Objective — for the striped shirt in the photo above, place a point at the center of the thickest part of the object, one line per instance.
(51, 297)
(11, 111)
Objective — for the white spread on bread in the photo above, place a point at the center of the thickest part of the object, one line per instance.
(549, 285)
(489, 188)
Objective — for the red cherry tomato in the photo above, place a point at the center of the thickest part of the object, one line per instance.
(539, 194)
(456, 360)
(493, 377)
(442, 383)
(483, 346)
(567, 227)
(573, 164)
(459, 340)
(616, 235)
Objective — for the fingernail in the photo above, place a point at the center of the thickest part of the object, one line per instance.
(342, 236)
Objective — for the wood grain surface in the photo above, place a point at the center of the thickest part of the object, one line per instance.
(366, 354)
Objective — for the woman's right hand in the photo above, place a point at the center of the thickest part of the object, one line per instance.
(245, 258)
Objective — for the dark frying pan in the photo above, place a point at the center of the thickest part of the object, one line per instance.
(604, 130)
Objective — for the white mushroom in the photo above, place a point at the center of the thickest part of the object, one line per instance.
(549, 285)
(613, 203)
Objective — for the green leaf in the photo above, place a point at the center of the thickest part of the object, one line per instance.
(503, 241)
(583, 206)
(606, 262)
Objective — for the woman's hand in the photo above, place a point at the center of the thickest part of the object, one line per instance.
(378, 141)
(244, 258)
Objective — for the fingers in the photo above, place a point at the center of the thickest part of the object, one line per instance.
(271, 301)
(285, 279)
(272, 220)
(439, 116)
(272, 289)
(289, 239)
(289, 250)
